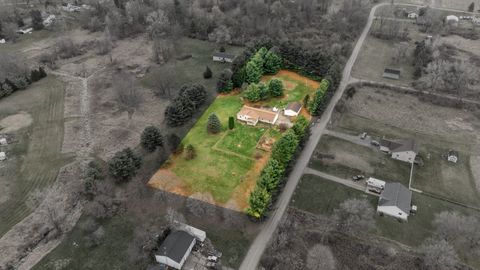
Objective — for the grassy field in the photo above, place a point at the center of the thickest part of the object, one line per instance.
(296, 88)
(351, 159)
(437, 176)
(242, 140)
(320, 196)
(36, 154)
(74, 252)
(191, 70)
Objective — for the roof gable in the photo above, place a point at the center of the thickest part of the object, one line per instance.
(176, 245)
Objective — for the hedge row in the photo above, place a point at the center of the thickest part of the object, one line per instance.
(283, 152)
(319, 97)
(20, 82)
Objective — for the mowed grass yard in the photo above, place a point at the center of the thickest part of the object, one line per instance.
(377, 54)
(35, 157)
(296, 88)
(241, 140)
(352, 159)
(320, 196)
(437, 176)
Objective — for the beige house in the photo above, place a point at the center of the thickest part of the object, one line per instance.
(404, 150)
(252, 116)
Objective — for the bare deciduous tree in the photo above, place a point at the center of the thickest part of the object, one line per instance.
(38, 197)
(320, 257)
(439, 255)
(354, 215)
(164, 82)
(162, 50)
(127, 93)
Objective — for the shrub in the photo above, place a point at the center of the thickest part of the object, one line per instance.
(252, 93)
(213, 125)
(37, 21)
(225, 84)
(190, 152)
(231, 122)
(258, 202)
(151, 138)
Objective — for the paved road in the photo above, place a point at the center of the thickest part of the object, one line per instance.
(345, 182)
(260, 243)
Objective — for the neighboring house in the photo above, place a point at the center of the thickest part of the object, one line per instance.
(175, 249)
(395, 201)
(412, 15)
(2, 156)
(404, 150)
(452, 156)
(252, 115)
(3, 141)
(223, 57)
(452, 20)
(293, 109)
(392, 73)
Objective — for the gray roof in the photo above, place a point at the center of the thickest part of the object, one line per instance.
(224, 55)
(400, 145)
(294, 106)
(176, 245)
(395, 194)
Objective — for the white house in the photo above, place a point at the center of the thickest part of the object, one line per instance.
(293, 109)
(452, 156)
(252, 115)
(404, 150)
(395, 201)
(175, 249)
(3, 141)
(223, 57)
(412, 15)
(2, 156)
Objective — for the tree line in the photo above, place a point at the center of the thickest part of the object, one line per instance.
(273, 173)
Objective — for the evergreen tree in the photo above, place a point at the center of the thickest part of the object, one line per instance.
(271, 175)
(37, 21)
(213, 125)
(275, 88)
(285, 147)
(194, 93)
(207, 74)
(151, 138)
(124, 165)
(306, 99)
(253, 72)
(252, 93)
(258, 202)
(231, 122)
(272, 63)
(471, 7)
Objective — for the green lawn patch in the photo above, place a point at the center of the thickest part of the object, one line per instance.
(296, 88)
(241, 140)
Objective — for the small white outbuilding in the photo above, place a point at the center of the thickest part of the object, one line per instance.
(3, 141)
(2, 156)
(452, 20)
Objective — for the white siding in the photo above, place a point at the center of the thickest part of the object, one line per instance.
(290, 113)
(392, 211)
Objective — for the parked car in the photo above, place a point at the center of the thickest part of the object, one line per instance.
(358, 177)
(363, 135)
(375, 143)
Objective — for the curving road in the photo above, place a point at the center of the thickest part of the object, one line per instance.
(260, 243)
